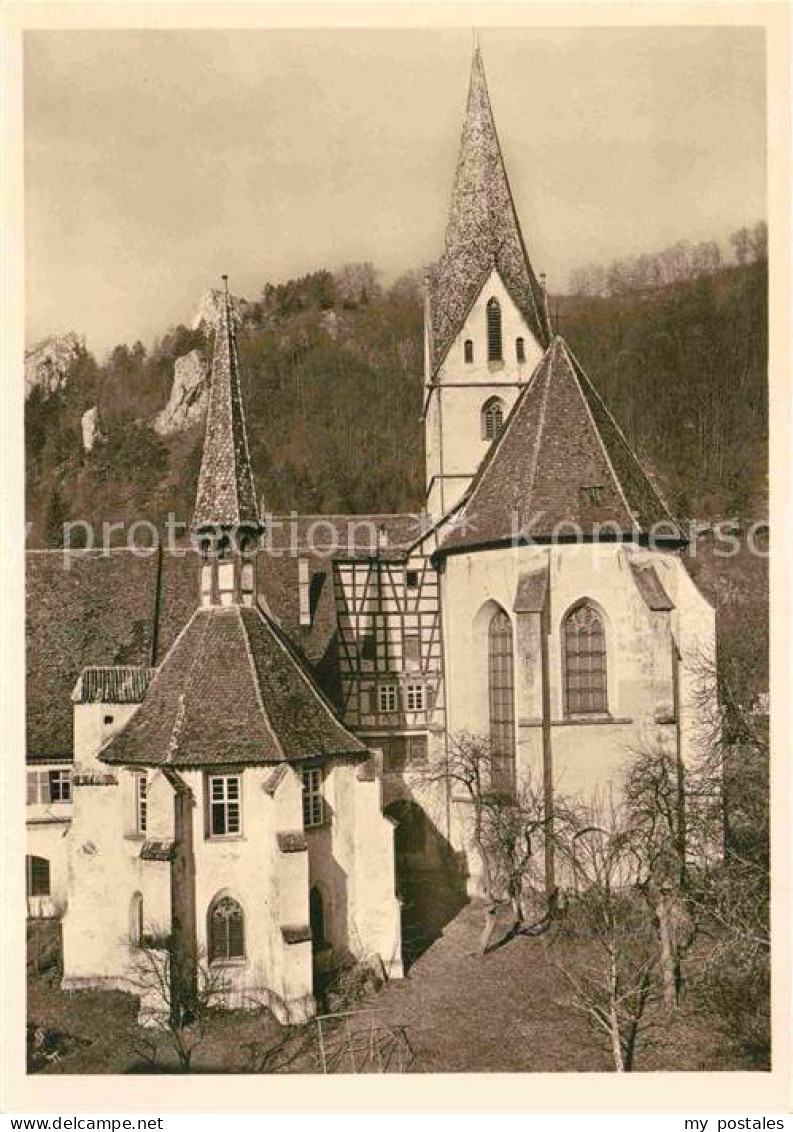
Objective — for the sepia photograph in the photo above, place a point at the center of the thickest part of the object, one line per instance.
(396, 496)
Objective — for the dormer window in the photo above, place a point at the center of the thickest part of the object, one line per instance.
(468, 351)
(520, 349)
(494, 346)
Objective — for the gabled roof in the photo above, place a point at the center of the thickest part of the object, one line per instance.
(482, 233)
(225, 496)
(230, 692)
(112, 684)
(561, 459)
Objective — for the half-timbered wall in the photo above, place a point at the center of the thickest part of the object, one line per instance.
(390, 654)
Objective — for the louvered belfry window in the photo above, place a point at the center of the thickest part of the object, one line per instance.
(495, 351)
(502, 701)
(584, 640)
(226, 930)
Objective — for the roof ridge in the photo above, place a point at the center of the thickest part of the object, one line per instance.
(286, 646)
(582, 375)
(631, 516)
(255, 679)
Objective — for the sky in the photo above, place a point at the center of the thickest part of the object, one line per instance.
(156, 160)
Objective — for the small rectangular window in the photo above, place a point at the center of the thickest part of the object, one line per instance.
(313, 800)
(369, 646)
(412, 579)
(60, 786)
(140, 802)
(225, 816)
(415, 697)
(412, 650)
(38, 876)
(417, 749)
(33, 788)
(387, 697)
(394, 748)
(107, 720)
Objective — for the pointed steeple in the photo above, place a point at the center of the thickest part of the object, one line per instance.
(225, 498)
(482, 232)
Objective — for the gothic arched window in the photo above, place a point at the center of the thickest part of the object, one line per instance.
(492, 418)
(494, 348)
(468, 350)
(520, 349)
(500, 679)
(226, 930)
(584, 660)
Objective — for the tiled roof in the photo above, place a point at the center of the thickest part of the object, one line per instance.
(230, 691)
(560, 460)
(121, 609)
(482, 233)
(112, 684)
(157, 850)
(343, 536)
(225, 496)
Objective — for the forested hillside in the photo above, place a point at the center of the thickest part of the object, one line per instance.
(332, 372)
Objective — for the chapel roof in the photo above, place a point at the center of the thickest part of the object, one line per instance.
(225, 496)
(230, 691)
(560, 463)
(482, 233)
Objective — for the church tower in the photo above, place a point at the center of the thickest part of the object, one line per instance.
(486, 318)
(226, 519)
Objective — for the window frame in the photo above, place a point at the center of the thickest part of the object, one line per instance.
(520, 349)
(225, 802)
(226, 958)
(600, 708)
(387, 695)
(494, 327)
(313, 781)
(501, 700)
(141, 802)
(415, 696)
(31, 883)
(493, 416)
(468, 351)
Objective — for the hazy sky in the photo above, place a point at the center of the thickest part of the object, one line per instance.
(156, 160)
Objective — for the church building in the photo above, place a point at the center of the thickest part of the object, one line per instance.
(233, 751)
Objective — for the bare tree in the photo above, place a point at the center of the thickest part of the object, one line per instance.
(509, 822)
(606, 948)
(155, 978)
(654, 793)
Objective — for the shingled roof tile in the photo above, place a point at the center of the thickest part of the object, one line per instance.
(560, 466)
(483, 233)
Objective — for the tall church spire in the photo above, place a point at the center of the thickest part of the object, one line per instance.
(482, 232)
(225, 498)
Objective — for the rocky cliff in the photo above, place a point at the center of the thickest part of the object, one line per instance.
(187, 401)
(47, 363)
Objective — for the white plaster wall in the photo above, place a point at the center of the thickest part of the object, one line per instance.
(49, 839)
(587, 756)
(271, 886)
(453, 431)
(91, 732)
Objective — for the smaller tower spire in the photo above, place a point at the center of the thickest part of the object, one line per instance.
(226, 518)
(226, 496)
